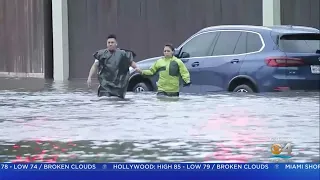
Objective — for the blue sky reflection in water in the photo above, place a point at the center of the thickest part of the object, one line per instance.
(68, 123)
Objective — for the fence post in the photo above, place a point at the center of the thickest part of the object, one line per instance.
(60, 40)
(271, 12)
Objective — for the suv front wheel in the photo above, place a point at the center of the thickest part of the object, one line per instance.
(141, 87)
(243, 88)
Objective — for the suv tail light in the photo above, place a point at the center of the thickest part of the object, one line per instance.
(283, 62)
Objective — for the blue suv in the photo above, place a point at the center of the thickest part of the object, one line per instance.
(245, 58)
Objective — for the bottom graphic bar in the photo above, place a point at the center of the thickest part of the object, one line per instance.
(158, 170)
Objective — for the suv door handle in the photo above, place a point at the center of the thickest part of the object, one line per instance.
(195, 64)
(234, 60)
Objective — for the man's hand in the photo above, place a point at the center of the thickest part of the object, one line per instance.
(89, 82)
(138, 70)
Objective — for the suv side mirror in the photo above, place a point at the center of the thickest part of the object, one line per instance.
(184, 55)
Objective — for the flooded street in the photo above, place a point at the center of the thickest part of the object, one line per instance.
(45, 122)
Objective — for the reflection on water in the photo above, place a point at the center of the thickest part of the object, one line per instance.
(46, 122)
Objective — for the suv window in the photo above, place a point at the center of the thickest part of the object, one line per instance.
(300, 43)
(200, 45)
(253, 42)
(226, 43)
(241, 46)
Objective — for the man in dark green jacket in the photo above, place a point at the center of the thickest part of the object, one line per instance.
(113, 65)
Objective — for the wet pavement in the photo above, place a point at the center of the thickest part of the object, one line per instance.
(66, 122)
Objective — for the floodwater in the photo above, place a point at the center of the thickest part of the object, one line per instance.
(66, 122)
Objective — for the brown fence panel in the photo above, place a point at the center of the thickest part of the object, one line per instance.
(23, 37)
(145, 25)
(298, 12)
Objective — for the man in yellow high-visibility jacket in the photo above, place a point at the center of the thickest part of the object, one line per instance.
(170, 69)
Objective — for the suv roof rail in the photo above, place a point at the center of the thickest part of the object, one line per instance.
(235, 26)
(295, 27)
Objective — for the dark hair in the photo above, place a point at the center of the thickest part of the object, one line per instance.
(170, 46)
(112, 36)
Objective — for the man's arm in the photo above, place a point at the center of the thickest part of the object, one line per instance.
(95, 65)
(134, 65)
(129, 55)
(184, 72)
(93, 69)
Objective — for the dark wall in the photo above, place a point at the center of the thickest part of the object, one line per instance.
(24, 35)
(300, 12)
(145, 25)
